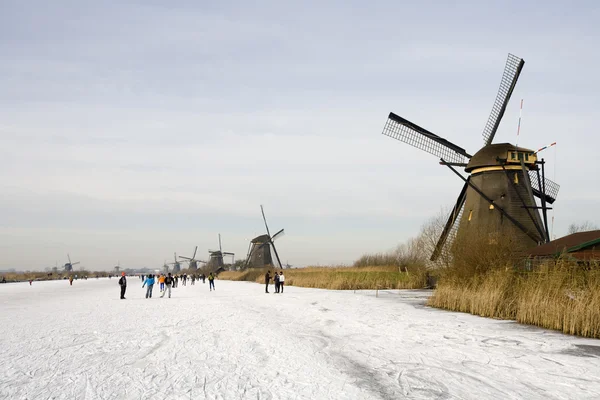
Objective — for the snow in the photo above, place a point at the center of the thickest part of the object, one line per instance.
(83, 342)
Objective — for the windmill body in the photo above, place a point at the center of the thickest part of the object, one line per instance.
(505, 181)
(68, 267)
(216, 261)
(192, 261)
(262, 248)
(260, 252)
(499, 194)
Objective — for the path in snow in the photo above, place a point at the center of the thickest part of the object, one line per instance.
(82, 342)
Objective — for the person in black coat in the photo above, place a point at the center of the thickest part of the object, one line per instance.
(267, 280)
(123, 284)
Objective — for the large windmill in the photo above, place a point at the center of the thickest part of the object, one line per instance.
(192, 260)
(216, 257)
(69, 266)
(259, 250)
(498, 196)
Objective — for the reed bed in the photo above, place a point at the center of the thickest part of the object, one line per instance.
(563, 297)
(338, 278)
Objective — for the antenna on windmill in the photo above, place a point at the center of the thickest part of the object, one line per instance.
(519, 126)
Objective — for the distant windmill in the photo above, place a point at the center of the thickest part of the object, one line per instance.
(259, 251)
(118, 267)
(216, 257)
(165, 267)
(69, 266)
(176, 265)
(192, 260)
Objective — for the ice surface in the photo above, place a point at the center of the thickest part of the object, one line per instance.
(82, 342)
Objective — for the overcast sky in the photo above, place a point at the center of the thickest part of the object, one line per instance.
(130, 130)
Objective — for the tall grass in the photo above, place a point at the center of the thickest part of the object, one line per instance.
(338, 278)
(485, 279)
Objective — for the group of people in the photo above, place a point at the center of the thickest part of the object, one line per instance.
(278, 279)
(165, 282)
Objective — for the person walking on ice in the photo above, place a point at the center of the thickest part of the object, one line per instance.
(150, 283)
(281, 281)
(123, 284)
(267, 280)
(276, 282)
(169, 281)
(211, 281)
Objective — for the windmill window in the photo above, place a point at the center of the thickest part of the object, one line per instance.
(470, 214)
(520, 155)
(513, 156)
(526, 157)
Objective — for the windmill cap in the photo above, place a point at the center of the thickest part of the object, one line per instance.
(488, 155)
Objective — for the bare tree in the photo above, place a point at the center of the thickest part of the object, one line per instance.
(582, 227)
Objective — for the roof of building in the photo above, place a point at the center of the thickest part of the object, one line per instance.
(570, 243)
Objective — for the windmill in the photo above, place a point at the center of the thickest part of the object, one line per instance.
(176, 265)
(165, 267)
(118, 267)
(193, 261)
(69, 266)
(499, 194)
(216, 257)
(259, 250)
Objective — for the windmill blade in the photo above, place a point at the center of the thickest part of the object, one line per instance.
(265, 219)
(228, 254)
(220, 248)
(454, 216)
(405, 131)
(278, 234)
(69, 257)
(195, 250)
(249, 254)
(512, 70)
(75, 263)
(185, 258)
(276, 255)
(551, 187)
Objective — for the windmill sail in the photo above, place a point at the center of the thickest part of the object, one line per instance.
(405, 131)
(455, 215)
(512, 70)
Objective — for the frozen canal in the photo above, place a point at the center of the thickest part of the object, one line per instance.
(82, 342)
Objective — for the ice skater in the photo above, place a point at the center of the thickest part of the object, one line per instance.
(276, 282)
(281, 281)
(150, 283)
(211, 281)
(267, 280)
(169, 281)
(123, 284)
(161, 280)
(71, 280)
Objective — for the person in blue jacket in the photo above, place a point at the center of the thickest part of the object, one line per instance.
(150, 283)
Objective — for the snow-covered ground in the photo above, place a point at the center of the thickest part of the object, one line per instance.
(81, 342)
